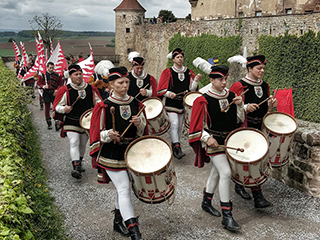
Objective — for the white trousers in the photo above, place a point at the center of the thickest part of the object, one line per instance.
(78, 144)
(121, 181)
(220, 174)
(176, 122)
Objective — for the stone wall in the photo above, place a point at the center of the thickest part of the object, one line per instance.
(152, 40)
(303, 170)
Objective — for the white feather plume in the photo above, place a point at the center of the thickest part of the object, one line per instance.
(202, 64)
(103, 67)
(239, 59)
(169, 55)
(132, 55)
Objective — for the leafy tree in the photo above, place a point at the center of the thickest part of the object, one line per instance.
(167, 16)
(48, 26)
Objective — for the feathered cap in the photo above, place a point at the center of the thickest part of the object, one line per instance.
(118, 72)
(134, 58)
(175, 52)
(103, 67)
(219, 71)
(202, 64)
(255, 60)
(74, 68)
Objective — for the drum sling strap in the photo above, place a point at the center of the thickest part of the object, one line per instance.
(217, 133)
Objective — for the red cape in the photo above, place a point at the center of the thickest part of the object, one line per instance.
(166, 80)
(153, 83)
(199, 112)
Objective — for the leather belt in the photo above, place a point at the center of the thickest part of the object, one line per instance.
(217, 133)
(254, 120)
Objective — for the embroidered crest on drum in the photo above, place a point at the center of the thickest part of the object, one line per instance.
(139, 83)
(82, 94)
(258, 90)
(125, 112)
(181, 76)
(224, 103)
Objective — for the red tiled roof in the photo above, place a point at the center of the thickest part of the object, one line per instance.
(129, 5)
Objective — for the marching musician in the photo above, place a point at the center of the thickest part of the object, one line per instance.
(174, 83)
(209, 127)
(71, 101)
(17, 64)
(109, 141)
(141, 83)
(258, 92)
(49, 82)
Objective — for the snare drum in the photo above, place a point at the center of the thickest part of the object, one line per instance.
(248, 168)
(279, 128)
(158, 120)
(151, 169)
(188, 103)
(85, 119)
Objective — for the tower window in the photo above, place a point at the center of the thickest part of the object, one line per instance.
(258, 13)
(127, 30)
(288, 11)
(124, 16)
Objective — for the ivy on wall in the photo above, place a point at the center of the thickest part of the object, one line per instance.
(205, 46)
(294, 62)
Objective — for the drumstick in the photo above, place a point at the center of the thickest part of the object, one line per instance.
(182, 92)
(131, 122)
(112, 110)
(225, 108)
(264, 101)
(75, 101)
(140, 92)
(238, 149)
(275, 92)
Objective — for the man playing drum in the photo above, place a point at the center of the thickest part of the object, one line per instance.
(209, 127)
(174, 83)
(109, 141)
(258, 92)
(72, 101)
(142, 84)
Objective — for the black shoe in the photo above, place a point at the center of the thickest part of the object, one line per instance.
(177, 152)
(48, 120)
(41, 107)
(242, 192)
(227, 220)
(207, 206)
(132, 225)
(118, 224)
(259, 200)
(76, 173)
(56, 125)
(81, 168)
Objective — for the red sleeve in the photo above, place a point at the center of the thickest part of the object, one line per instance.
(238, 88)
(60, 81)
(153, 83)
(195, 131)
(164, 82)
(192, 76)
(95, 91)
(40, 81)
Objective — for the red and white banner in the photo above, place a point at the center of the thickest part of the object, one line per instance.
(24, 54)
(16, 50)
(285, 101)
(87, 66)
(51, 47)
(57, 57)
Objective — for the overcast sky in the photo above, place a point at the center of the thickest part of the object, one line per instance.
(80, 15)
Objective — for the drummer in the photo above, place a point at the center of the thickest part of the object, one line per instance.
(258, 92)
(142, 84)
(73, 100)
(107, 148)
(174, 83)
(208, 129)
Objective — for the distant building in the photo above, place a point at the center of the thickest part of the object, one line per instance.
(222, 9)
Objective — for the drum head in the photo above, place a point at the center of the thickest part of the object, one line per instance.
(253, 142)
(190, 97)
(85, 119)
(148, 154)
(280, 123)
(153, 108)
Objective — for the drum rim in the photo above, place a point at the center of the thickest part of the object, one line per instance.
(82, 116)
(150, 119)
(141, 138)
(185, 96)
(276, 133)
(246, 128)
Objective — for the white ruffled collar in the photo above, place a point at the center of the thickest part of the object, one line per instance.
(218, 94)
(252, 81)
(82, 86)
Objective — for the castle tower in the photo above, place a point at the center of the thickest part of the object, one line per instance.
(128, 14)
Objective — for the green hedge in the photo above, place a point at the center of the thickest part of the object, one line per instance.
(294, 62)
(26, 207)
(205, 46)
